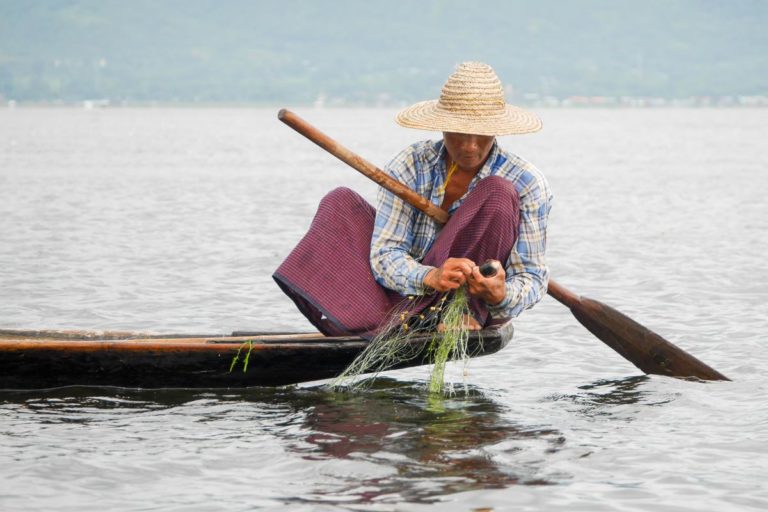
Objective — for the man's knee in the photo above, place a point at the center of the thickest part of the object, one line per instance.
(496, 184)
(498, 193)
(345, 201)
(341, 195)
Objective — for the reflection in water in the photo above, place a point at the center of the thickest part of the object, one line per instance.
(605, 397)
(394, 442)
(434, 445)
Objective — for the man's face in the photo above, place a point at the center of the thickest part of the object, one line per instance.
(468, 151)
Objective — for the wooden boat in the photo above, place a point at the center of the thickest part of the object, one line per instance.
(50, 359)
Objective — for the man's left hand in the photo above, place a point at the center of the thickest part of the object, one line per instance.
(491, 290)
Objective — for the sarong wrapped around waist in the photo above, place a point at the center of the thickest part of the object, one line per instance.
(328, 274)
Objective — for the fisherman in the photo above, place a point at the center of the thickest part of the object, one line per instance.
(356, 264)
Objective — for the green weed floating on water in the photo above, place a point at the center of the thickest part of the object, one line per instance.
(394, 344)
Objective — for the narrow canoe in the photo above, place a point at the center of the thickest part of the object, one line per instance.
(51, 359)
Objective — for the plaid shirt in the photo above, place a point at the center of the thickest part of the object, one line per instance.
(400, 242)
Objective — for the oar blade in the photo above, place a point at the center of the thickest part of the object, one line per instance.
(644, 348)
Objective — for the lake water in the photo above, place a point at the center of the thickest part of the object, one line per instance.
(174, 219)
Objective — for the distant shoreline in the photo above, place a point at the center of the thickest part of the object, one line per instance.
(727, 102)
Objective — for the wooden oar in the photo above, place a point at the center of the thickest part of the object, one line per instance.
(640, 346)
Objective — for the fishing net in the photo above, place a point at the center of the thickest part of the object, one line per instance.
(401, 340)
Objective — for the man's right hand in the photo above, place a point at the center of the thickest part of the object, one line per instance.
(450, 275)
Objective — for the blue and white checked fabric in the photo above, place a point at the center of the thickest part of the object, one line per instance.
(402, 235)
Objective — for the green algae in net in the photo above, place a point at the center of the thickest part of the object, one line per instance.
(445, 323)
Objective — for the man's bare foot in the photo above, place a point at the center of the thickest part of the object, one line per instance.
(468, 323)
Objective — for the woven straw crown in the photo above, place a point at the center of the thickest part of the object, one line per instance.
(472, 101)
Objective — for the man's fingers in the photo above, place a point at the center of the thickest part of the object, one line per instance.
(450, 284)
(463, 265)
(456, 271)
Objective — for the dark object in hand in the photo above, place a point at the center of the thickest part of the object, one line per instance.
(488, 269)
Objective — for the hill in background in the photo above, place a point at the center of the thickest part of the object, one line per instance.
(357, 52)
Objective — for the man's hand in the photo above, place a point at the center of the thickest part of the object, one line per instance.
(450, 275)
(491, 290)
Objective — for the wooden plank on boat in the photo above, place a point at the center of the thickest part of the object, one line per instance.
(42, 359)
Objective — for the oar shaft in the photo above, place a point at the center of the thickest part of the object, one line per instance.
(561, 294)
(362, 165)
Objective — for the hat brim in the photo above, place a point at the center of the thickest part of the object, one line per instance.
(427, 115)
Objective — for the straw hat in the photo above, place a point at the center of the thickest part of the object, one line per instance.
(472, 101)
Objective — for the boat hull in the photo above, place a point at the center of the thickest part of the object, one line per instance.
(51, 359)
